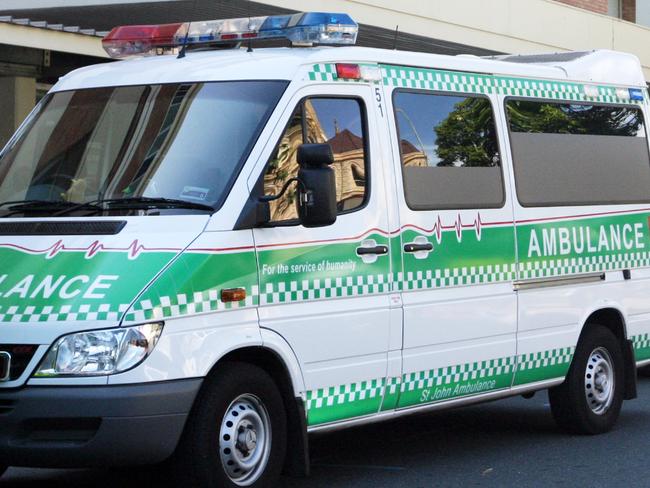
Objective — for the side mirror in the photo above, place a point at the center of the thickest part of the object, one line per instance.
(317, 185)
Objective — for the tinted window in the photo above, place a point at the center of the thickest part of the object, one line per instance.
(578, 154)
(449, 150)
(336, 121)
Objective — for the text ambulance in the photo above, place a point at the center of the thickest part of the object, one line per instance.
(208, 254)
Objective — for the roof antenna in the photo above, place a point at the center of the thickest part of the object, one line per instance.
(181, 53)
(395, 38)
(250, 41)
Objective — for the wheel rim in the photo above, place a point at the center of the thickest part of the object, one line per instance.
(599, 381)
(245, 440)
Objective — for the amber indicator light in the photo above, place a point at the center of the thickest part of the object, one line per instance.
(233, 295)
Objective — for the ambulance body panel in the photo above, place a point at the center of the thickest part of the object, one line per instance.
(445, 277)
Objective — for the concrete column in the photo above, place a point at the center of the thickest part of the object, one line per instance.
(17, 98)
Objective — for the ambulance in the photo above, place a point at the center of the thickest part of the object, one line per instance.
(211, 249)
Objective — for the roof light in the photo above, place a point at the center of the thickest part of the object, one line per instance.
(348, 71)
(636, 94)
(138, 39)
(303, 29)
(623, 93)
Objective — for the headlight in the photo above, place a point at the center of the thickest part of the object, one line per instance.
(100, 352)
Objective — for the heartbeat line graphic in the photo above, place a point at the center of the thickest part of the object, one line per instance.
(458, 226)
(133, 250)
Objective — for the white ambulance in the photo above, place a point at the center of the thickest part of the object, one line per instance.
(209, 253)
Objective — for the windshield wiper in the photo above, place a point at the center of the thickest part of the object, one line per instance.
(19, 206)
(136, 202)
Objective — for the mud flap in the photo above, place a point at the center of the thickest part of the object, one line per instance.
(630, 371)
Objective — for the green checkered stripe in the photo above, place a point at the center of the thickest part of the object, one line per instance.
(641, 345)
(367, 397)
(582, 264)
(345, 401)
(466, 275)
(187, 304)
(453, 81)
(544, 365)
(456, 374)
(63, 313)
(314, 289)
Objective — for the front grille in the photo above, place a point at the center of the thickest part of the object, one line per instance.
(21, 355)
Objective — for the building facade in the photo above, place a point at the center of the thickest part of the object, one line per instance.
(40, 40)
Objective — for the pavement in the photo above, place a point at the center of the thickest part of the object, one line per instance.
(510, 442)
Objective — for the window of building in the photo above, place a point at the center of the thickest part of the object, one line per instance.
(449, 151)
(337, 122)
(614, 8)
(578, 154)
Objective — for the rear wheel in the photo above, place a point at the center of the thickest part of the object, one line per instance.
(236, 435)
(590, 399)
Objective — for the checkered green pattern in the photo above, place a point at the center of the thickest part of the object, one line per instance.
(453, 81)
(188, 304)
(455, 374)
(323, 72)
(464, 82)
(641, 345)
(64, 313)
(583, 264)
(314, 289)
(539, 366)
(345, 401)
(537, 360)
(339, 395)
(467, 275)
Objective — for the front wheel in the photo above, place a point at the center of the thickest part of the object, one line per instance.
(236, 435)
(589, 401)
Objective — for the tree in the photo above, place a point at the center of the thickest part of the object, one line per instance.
(467, 136)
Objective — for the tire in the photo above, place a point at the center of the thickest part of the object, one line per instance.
(239, 399)
(579, 405)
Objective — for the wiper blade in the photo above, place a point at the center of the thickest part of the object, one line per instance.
(136, 202)
(158, 203)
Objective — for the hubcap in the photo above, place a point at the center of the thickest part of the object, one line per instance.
(599, 381)
(245, 440)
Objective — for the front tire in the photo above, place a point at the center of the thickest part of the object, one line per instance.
(236, 434)
(589, 401)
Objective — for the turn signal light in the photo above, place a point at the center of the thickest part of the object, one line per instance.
(233, 295)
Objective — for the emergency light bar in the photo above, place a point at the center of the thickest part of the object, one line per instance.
(302, 29)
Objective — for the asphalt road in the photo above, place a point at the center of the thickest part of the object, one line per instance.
(504, 443)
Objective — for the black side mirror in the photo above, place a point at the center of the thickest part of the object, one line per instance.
(316, 185)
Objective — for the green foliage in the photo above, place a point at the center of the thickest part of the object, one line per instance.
(467, 136)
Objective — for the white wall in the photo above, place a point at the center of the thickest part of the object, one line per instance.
(510, 26)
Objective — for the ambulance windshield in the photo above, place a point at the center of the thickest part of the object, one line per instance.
(181, 142)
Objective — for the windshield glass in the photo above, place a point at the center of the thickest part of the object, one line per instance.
(184, 141)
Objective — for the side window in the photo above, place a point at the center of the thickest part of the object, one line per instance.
(578, 154)
(449, 151)
(336, 121)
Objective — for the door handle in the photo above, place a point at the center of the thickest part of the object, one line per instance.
(416, 247)
(376, 250)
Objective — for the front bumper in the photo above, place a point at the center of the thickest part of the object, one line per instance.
(94, 425)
